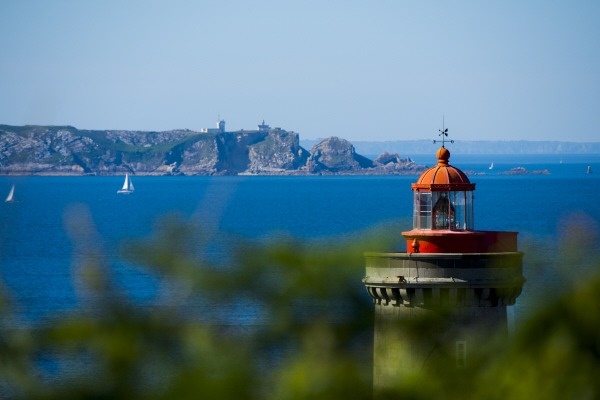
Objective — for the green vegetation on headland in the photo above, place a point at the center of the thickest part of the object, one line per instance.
(65, 150)
(311, 338)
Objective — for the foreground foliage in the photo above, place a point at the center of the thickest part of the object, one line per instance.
(305, 331)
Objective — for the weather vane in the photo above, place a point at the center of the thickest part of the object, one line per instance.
(443, 134)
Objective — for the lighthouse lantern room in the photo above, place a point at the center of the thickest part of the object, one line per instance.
(443, 217)
(443, 197)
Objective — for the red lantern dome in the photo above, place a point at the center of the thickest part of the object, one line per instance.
(443, 176)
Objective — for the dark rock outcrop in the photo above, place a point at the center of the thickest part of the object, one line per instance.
(524, 171)
(335, 155)
(393, 163)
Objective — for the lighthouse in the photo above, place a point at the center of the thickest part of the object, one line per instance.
(457, 279)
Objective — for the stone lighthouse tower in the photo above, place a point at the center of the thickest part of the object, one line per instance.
(448, 293)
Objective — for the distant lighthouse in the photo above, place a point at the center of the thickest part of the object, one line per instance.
(449, 269)
(220, 125)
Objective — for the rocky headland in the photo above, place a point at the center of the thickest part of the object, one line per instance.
(65, 150)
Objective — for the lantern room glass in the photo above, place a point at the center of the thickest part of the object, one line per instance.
(443, 210)
(422, 210)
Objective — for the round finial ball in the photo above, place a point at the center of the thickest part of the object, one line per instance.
(443, 155)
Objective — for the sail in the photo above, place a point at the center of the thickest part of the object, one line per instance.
(127, 186)
(9, 198)
(126, 183)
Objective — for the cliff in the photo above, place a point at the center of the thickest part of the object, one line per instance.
(65, 150)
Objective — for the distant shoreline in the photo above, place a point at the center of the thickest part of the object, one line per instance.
(263, 174)
(68, 151)
(472, 147)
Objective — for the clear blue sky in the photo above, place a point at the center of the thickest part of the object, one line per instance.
(362, 70)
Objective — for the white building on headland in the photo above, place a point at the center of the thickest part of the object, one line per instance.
(263, 127)
(219, 129)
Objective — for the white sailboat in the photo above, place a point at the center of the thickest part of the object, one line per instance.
(492, 165)
(127, 186)
(11, 195)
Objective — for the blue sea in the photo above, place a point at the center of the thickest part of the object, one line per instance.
(37, 253)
